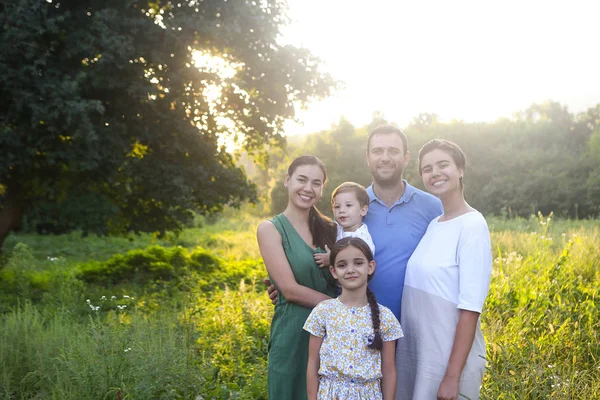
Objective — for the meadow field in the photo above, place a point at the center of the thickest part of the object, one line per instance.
(187, 317)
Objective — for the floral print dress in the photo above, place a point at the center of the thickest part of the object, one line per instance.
(349, 369)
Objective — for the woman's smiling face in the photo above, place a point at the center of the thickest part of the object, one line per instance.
(305, 185)
(440, 173)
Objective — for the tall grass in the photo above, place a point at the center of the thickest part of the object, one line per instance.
(542, 315)
(203, 333)
(117, 354)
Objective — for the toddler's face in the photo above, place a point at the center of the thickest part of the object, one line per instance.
(348, 212)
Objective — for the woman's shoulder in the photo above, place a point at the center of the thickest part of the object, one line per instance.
(474, 220)
(268, 232)
(272, 225)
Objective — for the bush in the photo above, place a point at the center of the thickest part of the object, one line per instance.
(141, 266)
(156, 265)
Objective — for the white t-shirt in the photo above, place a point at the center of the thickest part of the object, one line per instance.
(362, 232)
(454, 261)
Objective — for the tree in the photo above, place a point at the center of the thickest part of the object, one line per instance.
(127, 102)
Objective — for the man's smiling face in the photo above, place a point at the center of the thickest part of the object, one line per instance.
(387, 158)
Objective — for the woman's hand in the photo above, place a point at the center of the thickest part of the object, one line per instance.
(448, 389)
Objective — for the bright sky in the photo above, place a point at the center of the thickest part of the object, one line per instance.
(463, 59)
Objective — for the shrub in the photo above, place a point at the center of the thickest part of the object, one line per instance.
(141, 266)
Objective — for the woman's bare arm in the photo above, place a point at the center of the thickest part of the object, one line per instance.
(463, 341)
(271, 249)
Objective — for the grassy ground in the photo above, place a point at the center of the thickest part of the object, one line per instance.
(185, 322)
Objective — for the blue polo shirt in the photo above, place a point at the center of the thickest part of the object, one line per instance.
(396, 232)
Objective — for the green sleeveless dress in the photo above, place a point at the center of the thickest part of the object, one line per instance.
(288, 345)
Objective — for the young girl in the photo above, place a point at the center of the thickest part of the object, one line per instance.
(351, 354)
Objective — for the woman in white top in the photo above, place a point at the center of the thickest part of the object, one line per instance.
(442, 355)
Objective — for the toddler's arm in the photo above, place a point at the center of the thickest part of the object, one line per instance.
(388, 370)
(312, 370)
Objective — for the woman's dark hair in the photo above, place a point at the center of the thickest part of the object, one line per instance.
(447, 146)
(361, 245)
(322, 228)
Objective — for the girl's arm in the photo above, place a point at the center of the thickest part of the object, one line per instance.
(271, 249)
(312, 370)
(463, 341)
(388, 370)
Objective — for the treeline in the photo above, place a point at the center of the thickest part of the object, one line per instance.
(543, 159)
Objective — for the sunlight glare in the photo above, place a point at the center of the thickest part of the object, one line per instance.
(224, 69)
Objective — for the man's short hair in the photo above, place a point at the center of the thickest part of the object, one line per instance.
(386, 130)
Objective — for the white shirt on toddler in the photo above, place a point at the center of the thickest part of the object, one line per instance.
(362, 232)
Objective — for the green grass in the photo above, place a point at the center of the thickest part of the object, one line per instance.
(185, 331)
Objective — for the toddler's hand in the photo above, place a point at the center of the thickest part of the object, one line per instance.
(322, 259)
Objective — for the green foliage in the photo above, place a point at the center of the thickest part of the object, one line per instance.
(141, 266)
(113, 111)
(155, 264)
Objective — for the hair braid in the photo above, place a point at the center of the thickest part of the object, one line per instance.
(377, 341)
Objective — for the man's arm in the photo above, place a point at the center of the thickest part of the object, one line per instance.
(271, 291)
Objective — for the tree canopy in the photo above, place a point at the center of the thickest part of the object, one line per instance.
(113, 112)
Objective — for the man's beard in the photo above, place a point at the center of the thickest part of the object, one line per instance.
(388, 181)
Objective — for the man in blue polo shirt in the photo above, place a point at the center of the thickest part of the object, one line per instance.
(398, 213)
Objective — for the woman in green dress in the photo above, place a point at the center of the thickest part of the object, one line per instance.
(288, 243)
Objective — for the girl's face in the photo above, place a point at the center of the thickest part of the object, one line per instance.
(352, 269)
(305, 185)
(440, 174)
(348, 212)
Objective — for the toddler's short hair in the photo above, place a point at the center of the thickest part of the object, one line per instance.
(352, 187)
